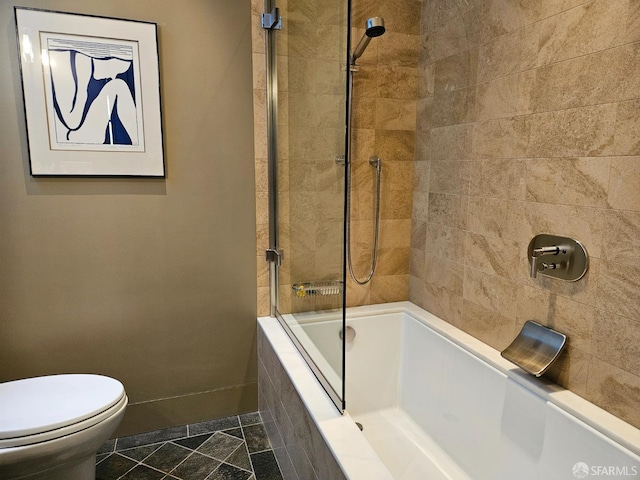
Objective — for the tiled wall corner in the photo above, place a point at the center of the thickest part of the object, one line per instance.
(520, 119)
(527, 123)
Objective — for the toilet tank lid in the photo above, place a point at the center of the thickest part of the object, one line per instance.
(39, 404)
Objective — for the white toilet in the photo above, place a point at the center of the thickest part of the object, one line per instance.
(51, 427)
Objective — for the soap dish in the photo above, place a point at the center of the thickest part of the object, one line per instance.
(535, 348)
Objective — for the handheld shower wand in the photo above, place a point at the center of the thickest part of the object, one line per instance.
(375, 28)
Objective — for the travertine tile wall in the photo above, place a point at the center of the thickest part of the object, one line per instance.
(260, 152)
(384, 119)
(528, 122)
(311, 99)
(311, 115)
(316, 117)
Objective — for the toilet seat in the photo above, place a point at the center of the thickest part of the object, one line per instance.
(43, 408)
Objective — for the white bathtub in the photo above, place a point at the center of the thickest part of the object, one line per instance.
(436, 403)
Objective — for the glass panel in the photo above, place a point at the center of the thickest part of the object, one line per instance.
(311, 54)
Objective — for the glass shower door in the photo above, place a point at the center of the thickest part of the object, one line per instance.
(311, 117)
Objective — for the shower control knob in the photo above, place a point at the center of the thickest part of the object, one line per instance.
(567, 258)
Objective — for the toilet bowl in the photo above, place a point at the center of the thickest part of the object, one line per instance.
(51, 427)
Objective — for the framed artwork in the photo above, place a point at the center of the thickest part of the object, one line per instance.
(91, 89)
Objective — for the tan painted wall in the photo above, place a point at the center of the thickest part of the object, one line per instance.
(149, 281)
(527, 123)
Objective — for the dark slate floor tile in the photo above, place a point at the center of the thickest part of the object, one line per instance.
(151, 437)
(167, 457)
(250, 418)
(193, 442)
(142, 472)
(108, 447)
(221, 453)
(211, 426)
(235, 432)
(140, 453)
(265, 466)
(240, 458)
(229, 472)
(113, 467)
(256, 438)
(196, 467)
(219, 446)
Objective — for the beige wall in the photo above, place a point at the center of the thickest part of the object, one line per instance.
(146, 280)
(528, 123)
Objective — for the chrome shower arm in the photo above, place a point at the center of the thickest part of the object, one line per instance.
(360, 48)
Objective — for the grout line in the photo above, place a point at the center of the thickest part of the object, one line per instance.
(236, 466)
(160, 444)
(184, 460)
(246, 446)
(125, 473)
(262, 451)
(143, 445)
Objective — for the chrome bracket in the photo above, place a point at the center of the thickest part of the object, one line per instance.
(273, 256)
(272, 20)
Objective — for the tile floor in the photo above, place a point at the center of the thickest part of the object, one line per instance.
(231, 448)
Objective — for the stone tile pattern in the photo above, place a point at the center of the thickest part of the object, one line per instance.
(297, 444)
(524, 122)
(311, 89)
(260, 153)
(527, 123)
(384, 122)
(311, 119)
(231, 448)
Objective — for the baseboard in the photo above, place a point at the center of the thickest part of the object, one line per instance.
(183, 410)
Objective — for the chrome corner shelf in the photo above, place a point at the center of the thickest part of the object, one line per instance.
(320, 288)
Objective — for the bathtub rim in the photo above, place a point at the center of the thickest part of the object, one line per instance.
(351, 450)
(596, 417)
(349, 446)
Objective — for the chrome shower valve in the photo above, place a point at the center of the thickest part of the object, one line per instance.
(567, 258)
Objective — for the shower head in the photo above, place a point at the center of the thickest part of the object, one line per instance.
(375, 28)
